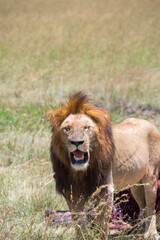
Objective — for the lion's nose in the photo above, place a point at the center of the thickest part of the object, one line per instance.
(77, 143)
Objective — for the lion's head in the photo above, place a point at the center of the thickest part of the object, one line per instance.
(78, 133)
(81, 133)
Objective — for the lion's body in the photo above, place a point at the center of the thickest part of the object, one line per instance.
(137, 151)
(86, 152)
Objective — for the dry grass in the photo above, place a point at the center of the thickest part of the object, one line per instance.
(48, 50)
(52, 48)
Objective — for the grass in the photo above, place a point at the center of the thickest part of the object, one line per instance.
(48, 50)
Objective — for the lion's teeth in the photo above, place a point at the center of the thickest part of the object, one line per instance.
(77, 158)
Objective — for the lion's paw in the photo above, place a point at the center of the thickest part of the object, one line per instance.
(149, 236)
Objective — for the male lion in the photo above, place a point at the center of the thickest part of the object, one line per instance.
(88, 153)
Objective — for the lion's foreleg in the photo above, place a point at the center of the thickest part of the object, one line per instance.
(104, 210)
(78, 215)
(139, 195)
(150, 196)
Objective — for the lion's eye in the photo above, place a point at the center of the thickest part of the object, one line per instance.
(67, 129)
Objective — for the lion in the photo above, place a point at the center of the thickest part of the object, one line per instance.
(88, 153)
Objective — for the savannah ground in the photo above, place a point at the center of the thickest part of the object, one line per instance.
(48, 50)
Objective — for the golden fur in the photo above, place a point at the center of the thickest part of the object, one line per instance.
(129, 151)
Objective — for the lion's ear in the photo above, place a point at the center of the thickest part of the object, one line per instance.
(50, 116)
(100, 116)
(106, 115)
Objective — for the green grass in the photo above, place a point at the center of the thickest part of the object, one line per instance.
(48, 50)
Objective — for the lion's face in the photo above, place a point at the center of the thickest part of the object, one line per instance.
(78, 132)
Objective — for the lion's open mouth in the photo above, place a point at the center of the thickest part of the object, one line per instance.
(78, 157)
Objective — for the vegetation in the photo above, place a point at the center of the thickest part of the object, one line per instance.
(48, 50)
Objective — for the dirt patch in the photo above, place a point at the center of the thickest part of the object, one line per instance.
(131, 109)
(145, 110)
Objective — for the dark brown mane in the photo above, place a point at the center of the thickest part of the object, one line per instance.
(101, 156)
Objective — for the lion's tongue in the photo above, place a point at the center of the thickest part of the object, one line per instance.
(78, 154)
